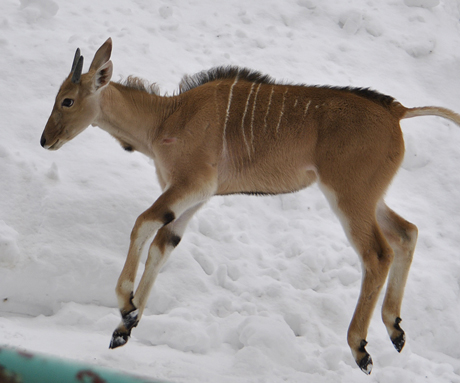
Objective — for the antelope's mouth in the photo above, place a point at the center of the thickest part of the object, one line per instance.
(54, 146)
(52, 143)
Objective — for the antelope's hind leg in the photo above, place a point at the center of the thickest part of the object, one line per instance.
(402, 236)
(376, 256)
(359, 221)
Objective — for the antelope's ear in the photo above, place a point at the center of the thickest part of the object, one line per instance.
(103, 75)
(102, 55)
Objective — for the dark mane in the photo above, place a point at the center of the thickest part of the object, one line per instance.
(223, 73)
(231, 72)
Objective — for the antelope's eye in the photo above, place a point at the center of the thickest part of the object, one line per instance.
(68, 102)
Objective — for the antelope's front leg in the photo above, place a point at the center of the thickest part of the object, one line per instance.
(143, 230)
(160, 217)
(167, 238)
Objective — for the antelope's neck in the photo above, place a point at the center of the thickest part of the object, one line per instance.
(132, 116)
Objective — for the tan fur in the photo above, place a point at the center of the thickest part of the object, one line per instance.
(239, 132)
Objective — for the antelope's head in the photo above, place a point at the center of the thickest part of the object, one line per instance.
(77, 102)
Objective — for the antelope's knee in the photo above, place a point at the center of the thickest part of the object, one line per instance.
(386, 256)
(168, 217)
(174, 240)
(410, 235)
(166, 237)
(408, 239)
(377, 265)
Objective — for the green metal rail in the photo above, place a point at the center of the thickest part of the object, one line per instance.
(18, 366)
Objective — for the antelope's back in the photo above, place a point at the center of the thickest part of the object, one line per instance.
(271, 137)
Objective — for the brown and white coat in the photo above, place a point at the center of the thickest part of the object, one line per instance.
(232, 130)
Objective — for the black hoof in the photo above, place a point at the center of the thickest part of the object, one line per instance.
(400, 340)
(118, 339)
(131, 320)
(365, 364)
(121, 335)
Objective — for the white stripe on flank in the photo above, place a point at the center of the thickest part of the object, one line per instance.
(252, 117)
(230, 96)
(306, 108)
(244, 116)
(268, 107)
(282, 110)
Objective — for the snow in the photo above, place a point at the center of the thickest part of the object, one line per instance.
(261, 289)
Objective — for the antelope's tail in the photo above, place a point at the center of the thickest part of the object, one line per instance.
(431, 111)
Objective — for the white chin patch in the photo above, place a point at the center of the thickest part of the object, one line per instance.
(56, 145)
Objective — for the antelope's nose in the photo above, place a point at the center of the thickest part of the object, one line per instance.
(43, 141)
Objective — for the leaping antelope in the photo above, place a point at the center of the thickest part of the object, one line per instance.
(231, 130)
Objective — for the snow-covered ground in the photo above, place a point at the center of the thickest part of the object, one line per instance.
(261, 289)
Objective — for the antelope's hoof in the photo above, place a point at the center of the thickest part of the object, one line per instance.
(400, 340)
(130, 319)
(119, 339)
(365, 363)
(121, 335)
